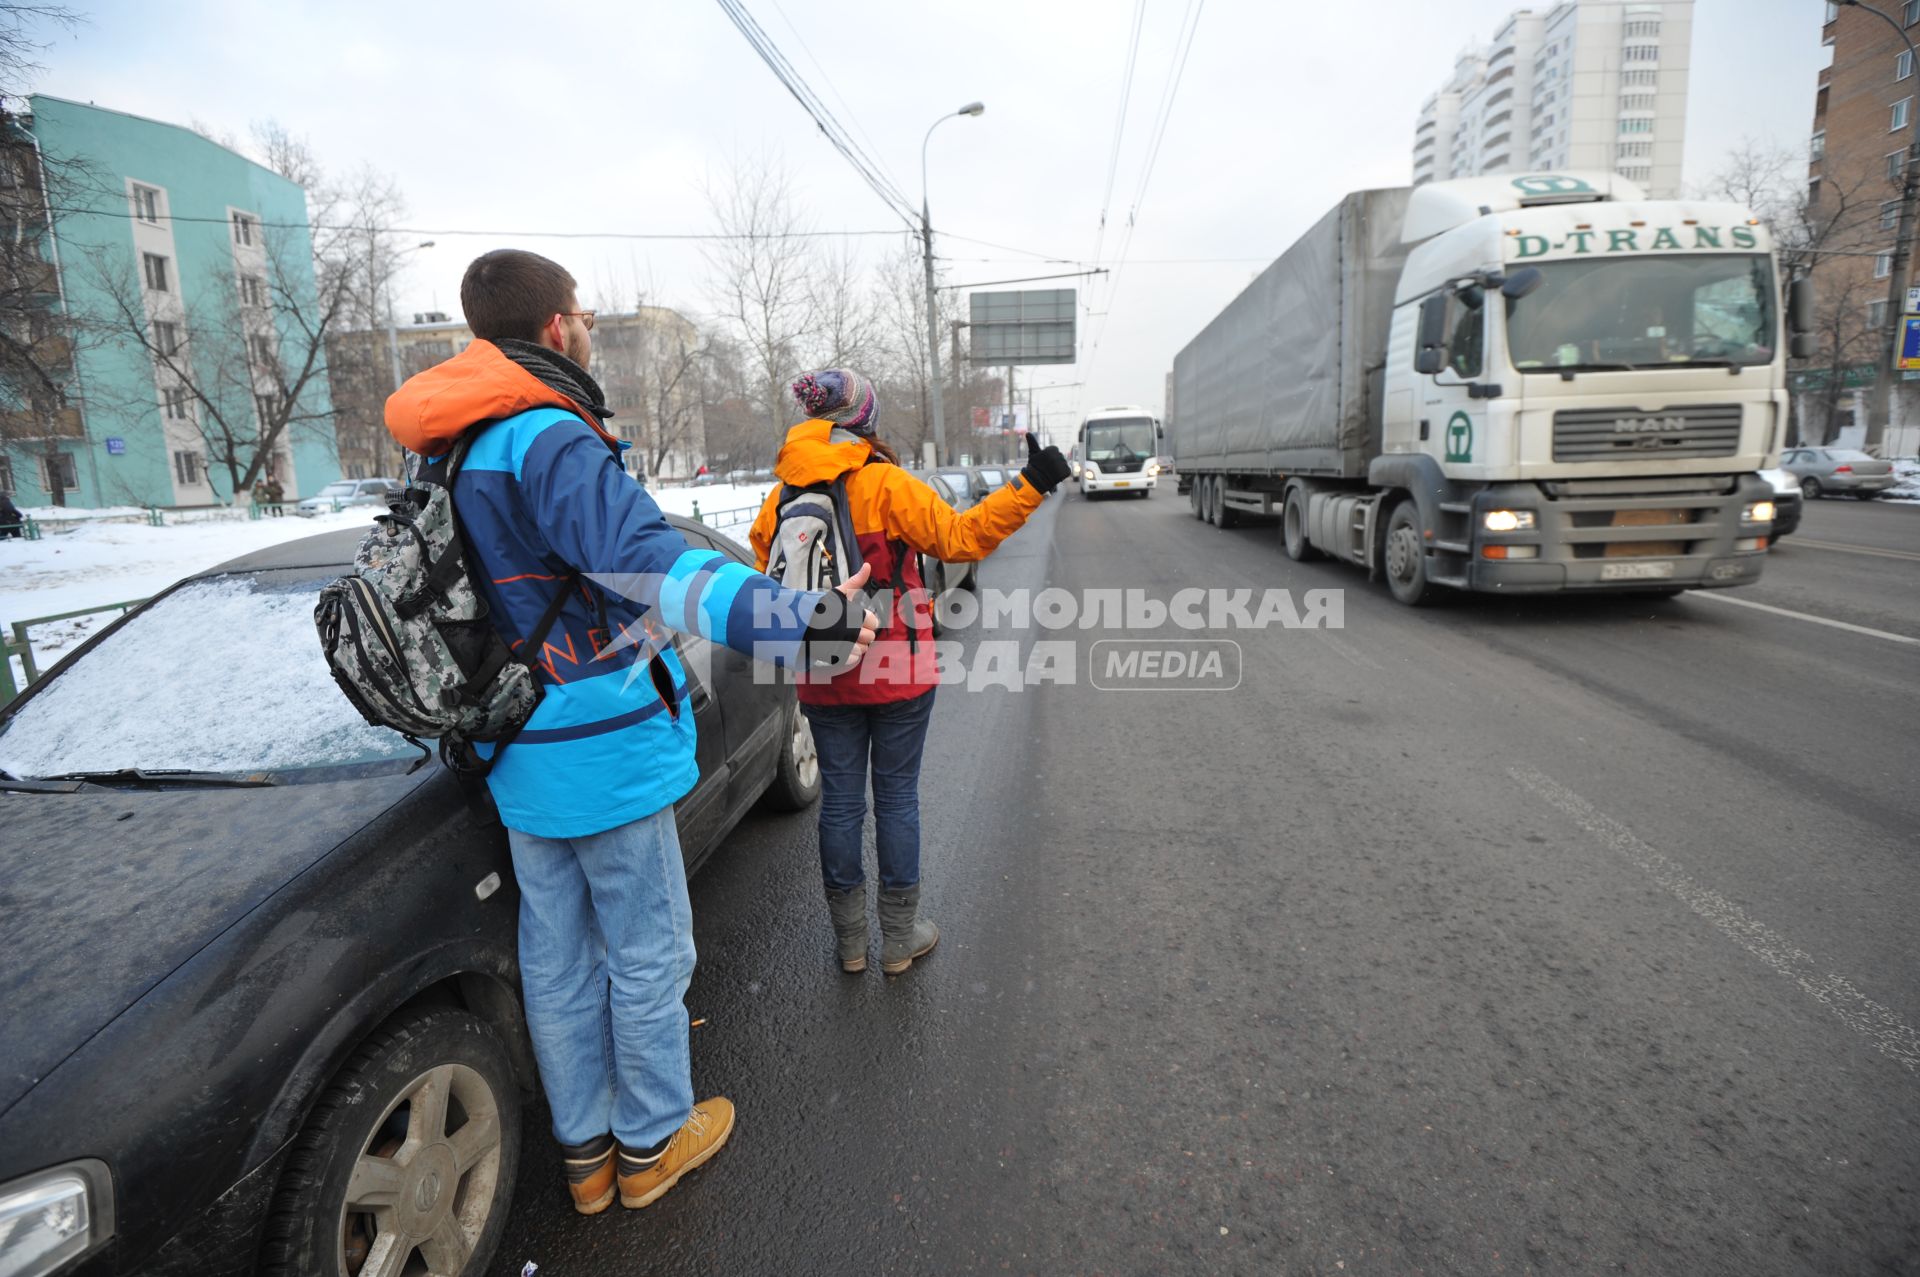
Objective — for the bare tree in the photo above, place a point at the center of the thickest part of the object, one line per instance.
(759, 277)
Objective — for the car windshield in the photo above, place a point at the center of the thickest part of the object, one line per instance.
(992, 478)
(1714, 309)
(224, 674)
(1129, 439)
(343, 489)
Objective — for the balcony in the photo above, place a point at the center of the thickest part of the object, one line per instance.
(1425, 143)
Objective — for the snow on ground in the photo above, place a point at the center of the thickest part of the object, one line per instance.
(1908, 489)
(96, 557)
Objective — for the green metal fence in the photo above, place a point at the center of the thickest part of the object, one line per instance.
(20, 644)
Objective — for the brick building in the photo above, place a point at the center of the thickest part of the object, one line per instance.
(1862, 127)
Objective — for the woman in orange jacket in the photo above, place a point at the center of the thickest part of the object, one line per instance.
(875, 715)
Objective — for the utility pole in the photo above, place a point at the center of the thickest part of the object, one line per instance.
(933, 308)
(1880, 415)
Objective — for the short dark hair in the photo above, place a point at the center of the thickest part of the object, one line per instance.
(513, 293)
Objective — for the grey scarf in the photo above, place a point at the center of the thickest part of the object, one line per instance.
(557, 372)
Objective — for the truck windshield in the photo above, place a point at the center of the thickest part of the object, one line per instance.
(1121, 439)
(1645, 312)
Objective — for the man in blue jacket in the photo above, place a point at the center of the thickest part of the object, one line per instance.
(587, 788)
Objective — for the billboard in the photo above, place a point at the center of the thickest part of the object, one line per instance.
(1023, 326)
(1909, 342)
(1002, 419)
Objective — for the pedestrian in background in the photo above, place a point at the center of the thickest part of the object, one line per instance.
(874, 720)
(586, 790)
(12, 522)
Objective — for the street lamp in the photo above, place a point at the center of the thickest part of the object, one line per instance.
(1881, 416)
(926, 254)
(393, 330)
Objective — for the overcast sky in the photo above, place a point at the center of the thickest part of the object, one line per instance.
(610, 117)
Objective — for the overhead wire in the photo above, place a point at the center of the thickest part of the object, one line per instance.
(499, 234)
(1120, 124)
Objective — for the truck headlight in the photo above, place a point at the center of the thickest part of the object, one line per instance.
(51, 1216)
(1758, 512)
(1508, 521)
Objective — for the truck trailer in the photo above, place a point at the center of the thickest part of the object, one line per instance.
(1516, 384)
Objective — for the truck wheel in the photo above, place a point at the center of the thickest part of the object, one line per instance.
(1224, 515)
(1293, 527)
(1195, 488)
(1406, 556)
(412, 1149)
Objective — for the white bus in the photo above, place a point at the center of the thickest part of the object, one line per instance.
(1117, 451)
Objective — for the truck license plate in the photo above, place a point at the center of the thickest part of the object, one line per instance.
(1122, 483)
(1657, 570)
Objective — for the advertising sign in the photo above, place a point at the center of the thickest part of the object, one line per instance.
(1023, 326)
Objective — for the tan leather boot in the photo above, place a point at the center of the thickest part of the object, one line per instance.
(590, 1174)
(644, 1180)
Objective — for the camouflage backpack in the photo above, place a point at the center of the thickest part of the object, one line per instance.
(409, 640)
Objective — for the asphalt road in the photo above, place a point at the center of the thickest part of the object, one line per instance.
(1506, 936)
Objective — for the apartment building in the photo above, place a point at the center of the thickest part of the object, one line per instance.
(177, 267)
(1596, 85)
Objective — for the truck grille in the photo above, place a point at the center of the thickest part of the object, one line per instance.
(1698, 430)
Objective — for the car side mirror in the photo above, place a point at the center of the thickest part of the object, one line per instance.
(1429, 354)
(1521, 282)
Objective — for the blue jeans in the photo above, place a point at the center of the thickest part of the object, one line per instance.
(893, 735)
(606, 954)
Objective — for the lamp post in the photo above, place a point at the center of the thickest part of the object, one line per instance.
(393, 330)
(1880, 417)
(926, 254)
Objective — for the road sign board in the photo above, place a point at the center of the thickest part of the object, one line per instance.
(1023, 326)
(116, 447)
(1909, 342)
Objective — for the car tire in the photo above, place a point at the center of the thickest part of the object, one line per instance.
(1293, 527)
(1405, 557)
(796, 781)
(1810, 488)
(441, 1065)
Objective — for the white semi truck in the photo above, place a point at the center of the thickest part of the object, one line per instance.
(1518, 384)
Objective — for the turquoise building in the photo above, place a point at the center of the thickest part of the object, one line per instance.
(186, 271)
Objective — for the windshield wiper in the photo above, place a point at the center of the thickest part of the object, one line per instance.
(160, 777)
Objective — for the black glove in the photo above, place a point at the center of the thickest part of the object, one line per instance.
(832, 629)
(1046, 468)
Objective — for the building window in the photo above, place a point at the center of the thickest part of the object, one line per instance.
(1889, 214)
(58, 471)
(1896, 160)
(1903, 64)
(186, 468)
(166, 337)
(146, 204)
(1640, 79)
(1636, 172)
(268, 406)
(1813, 193)
(1902, 112)
(1883, 265)
(176, 397)
(1641, 30)
(155, 267)
(1911, 14)
(1635, 151)
(263, 352)
(1636, 102)
(1642, 53)
(242, 229)
(1636, 126)
(253, 290)
(1877, 314)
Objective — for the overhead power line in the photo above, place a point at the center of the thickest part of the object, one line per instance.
(495, 234)
(1119, 124)
(836, 134)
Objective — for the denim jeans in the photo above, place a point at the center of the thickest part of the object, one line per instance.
(894, 735)
(606, 954)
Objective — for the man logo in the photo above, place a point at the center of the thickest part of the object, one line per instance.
(1648, 425)
(1551, 184)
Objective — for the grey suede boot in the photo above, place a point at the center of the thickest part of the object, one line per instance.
(849, 910)
(904, 934)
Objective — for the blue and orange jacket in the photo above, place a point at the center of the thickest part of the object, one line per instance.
(896, 519)
(541, 495)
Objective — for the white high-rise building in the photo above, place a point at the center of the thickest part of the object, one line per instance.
(1588, 84)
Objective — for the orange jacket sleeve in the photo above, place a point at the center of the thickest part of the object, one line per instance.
(761, 537)
(913, 512)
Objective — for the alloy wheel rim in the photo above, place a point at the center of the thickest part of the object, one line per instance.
(806, 757)
(432, 1195)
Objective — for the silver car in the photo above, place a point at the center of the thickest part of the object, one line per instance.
(349, 492)
(1824, 470)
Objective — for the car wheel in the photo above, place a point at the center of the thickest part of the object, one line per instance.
(411, 1151)
(1293, 527)
(1810, 488)
(796, 782)
(1406, 557)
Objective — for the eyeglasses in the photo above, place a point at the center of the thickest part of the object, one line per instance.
(584, 316)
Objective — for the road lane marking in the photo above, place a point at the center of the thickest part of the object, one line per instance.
(1897, 1041)
(1858, 549)
(1888, 635)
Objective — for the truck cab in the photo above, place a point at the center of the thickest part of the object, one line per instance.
(1580, 385)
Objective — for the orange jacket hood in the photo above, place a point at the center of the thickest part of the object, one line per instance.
(479, 384)
(808, 456)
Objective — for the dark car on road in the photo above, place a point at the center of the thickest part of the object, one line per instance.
(258, 973)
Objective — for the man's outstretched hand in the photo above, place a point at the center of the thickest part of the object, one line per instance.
(834, 640)
(1046, 468)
